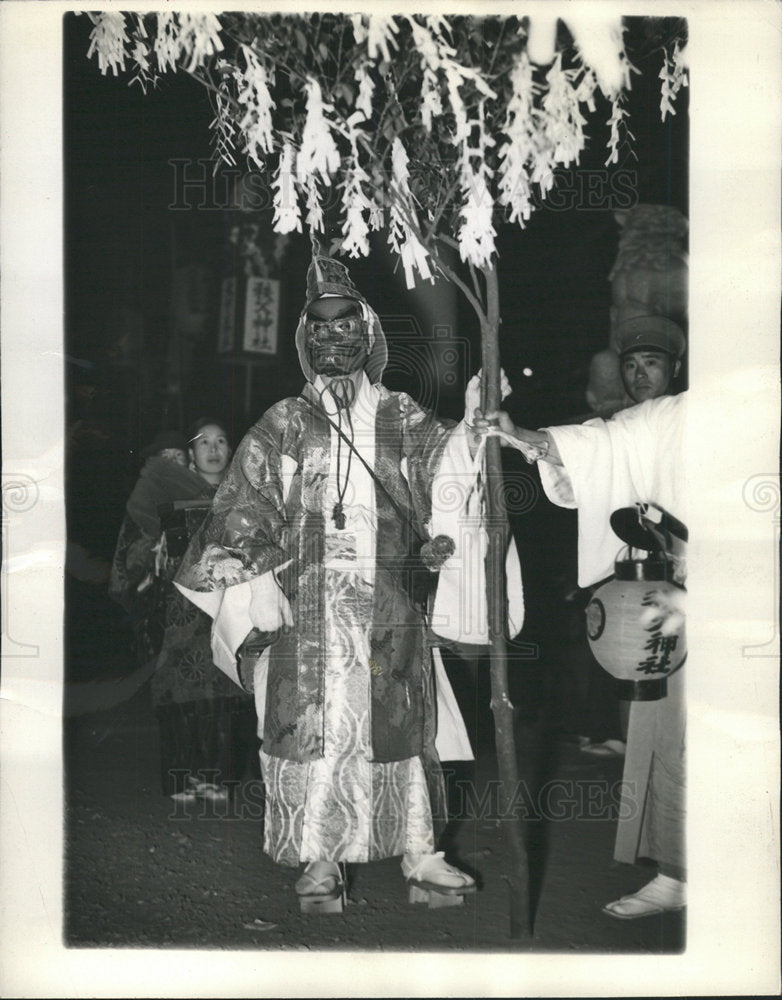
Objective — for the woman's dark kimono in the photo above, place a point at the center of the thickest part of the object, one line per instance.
(206, 722)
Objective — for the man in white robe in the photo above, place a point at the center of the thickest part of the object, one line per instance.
(598, 467)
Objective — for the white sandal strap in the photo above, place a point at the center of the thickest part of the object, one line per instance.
(424, 861)
(429, 865)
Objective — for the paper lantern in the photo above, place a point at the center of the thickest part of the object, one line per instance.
(624, 641)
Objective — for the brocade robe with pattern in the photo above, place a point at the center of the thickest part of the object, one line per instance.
(349, 758)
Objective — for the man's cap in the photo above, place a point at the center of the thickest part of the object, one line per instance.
(651, 333)
(163, 440)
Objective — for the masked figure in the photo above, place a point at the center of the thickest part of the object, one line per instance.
(312, 549)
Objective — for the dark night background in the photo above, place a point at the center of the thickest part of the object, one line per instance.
(142, 286)
(123, 244)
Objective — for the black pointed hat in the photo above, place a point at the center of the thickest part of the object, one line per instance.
(327, 276)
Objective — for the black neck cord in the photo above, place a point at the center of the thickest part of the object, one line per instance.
(343, 397)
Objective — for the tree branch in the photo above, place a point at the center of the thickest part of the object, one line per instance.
(496, 48)
(473, 297)
(444, 202)
(475, 283)
(452, 276)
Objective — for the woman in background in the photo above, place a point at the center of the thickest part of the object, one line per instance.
(163, 477)
(206, 723)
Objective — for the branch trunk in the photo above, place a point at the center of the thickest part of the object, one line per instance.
(502, 709)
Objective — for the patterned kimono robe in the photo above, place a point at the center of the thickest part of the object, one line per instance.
(201, 714)
(166, 626)
(349, 720)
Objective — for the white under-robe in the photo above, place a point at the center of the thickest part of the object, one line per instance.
(343, 806)
(635, 457)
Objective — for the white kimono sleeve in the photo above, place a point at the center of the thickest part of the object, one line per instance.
(635, 457)
(460, 613)
(232, 620)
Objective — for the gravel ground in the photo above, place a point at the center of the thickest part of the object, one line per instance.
(143, 872)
